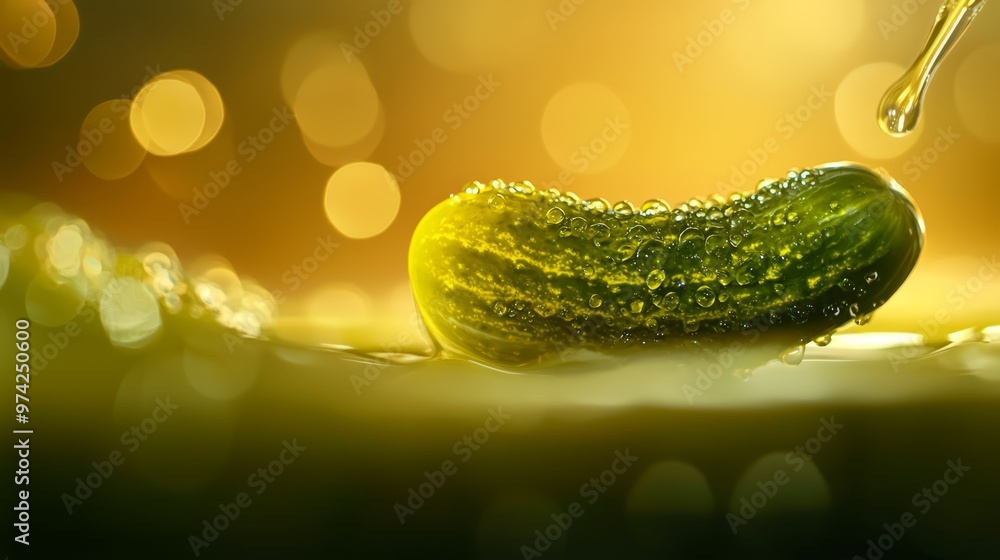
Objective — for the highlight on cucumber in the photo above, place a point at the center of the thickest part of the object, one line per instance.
(506, 274)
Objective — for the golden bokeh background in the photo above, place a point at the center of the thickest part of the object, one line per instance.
(252, 130)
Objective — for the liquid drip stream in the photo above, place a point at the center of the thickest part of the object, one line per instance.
(899, 110)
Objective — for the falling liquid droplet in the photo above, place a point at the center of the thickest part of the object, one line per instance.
(794, 356)
(596, 301)
(655, 279)
(824, 340)
(863, 320)
(555, 215)
(899, 111)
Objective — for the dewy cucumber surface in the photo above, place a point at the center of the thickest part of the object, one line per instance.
(509, 275)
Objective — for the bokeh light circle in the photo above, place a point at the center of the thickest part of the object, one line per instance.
(212, 102)
(336, 104)
(222, 369)
(670, 487)
(130, 313)
(50, 303)
(976, 86)
(176, 112)
(335, 156)
(27, 31)
(856, 103)
(586, 127)
(306, 55)
(806, 488)
(168, 116)
(67, 31)
(361, 200)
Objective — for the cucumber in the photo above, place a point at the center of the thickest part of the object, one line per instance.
(509, 275)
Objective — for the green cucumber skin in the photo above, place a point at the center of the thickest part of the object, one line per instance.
(497, 281)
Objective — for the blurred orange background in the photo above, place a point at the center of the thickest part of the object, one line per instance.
(633, 100)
